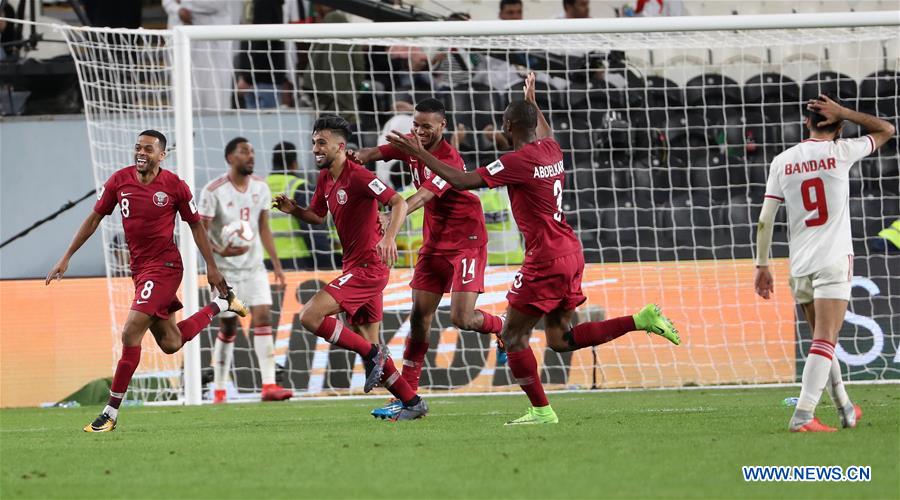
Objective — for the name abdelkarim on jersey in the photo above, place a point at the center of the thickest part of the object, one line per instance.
(353, 200)
(148, 215)
(534, 176)
(453, 219)
(813, 180)
(221, 203)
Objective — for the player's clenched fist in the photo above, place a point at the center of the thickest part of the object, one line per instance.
(284, 203)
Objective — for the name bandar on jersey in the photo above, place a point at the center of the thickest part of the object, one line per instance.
(813, 180)
(453, 219)
(353, 200)
(534, 177)
(221, 203)
(148, 215)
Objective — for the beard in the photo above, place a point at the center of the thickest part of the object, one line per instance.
(245, 170)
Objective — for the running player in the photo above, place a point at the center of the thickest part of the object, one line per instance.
(454, 248)
(351, 193)
(549, 283)
(241, 196)
(813, 180)
(148, 198)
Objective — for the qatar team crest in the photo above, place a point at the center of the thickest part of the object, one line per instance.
(255, 199)
(160, 199)
(341, 196)
(427, 173)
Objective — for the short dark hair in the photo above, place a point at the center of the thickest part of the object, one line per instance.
(504, 3)
(568, 3)
(284, 154)
(431, 105)
(815, 118)
(155, 133)
(522, 114)
(334, 123)
(233, 144)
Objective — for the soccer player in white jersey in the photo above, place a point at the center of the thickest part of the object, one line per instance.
(812, 179)
(241, 196)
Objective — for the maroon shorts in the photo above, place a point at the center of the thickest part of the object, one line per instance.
(542, 287)
(458, 271)
(155, 291)
(359, 292)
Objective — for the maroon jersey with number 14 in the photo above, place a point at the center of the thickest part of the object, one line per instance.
(148, 215)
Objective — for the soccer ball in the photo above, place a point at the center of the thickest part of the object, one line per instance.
(237, 233)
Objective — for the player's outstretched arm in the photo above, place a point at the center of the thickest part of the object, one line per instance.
(213, 275)
(84, 232)
(763, 281)
(543, 127)
(456, 178)
(289, 206)
(880, 130)
(365, 155)
(387, 247)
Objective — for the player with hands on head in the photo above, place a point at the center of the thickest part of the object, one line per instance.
(812, 179)
(351, 194)
(454, 247)
(548, 285)
(149, 197)
(240, 199)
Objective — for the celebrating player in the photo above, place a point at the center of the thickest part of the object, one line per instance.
(454, 249)
(351, 193)
(812, 178)
(241, 197)
(148, 198)
(549, 283)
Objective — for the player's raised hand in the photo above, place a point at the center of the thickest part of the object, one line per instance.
(832, 111)
(58, 271)
(763, 282)
(529, 88)
(353, 155)
(284, 203)
(408, 143)
(387, 251)
(216, 280)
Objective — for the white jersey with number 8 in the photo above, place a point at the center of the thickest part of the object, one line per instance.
(813, 180)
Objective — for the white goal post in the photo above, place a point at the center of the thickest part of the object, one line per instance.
(648, 229)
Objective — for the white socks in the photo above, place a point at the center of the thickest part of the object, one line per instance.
(223, 354)
(815, 375)
(112, 412)
(264, 345)
(835, 386)
(221, 303)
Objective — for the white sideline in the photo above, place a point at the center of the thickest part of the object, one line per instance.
(254, 398)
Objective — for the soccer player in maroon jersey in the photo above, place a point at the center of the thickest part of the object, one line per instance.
(351, 193)
(454, 249)
(148, 198)
(549, 283)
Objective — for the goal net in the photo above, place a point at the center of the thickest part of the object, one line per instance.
(667, 137)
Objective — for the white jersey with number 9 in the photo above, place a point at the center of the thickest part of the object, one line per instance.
(813, 180)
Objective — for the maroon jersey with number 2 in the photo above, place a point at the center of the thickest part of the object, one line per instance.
(550, 277)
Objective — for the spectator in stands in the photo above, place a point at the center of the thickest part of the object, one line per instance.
(265, 66)
(659, 8)
(455, 67)
(213, 61)
(576, 9)
(8, 33)
(510, 10)
(335, 71)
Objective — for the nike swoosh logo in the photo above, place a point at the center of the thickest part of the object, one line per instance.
(124, 194)
(513, 291)
(464, 282)
(141, 301)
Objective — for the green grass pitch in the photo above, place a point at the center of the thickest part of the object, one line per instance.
(641, 444)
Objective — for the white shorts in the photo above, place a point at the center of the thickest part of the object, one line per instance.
(251, 287)
(832, 282)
